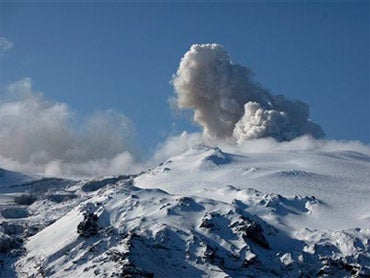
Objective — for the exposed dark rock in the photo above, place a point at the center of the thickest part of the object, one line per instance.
(129, 270)
(89, 225)
(115, 255)
(254, 232)
(97, 184)
(58, 198)
(25, 199)
(210, 254)
(188, 204)
(32, 230)
(46, 184)
(14, 212)
(8, 243)
(332, 266)
(12, 229)
(207, 223)
(251, 231)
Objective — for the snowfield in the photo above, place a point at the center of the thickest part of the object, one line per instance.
(204, 213)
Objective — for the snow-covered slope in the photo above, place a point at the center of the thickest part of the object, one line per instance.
(203, 213)
(339, 180)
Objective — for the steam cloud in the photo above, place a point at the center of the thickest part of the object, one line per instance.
(227, 102)
(178, 144)
(39, 135)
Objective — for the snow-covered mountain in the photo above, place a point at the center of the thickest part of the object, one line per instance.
(205, 212)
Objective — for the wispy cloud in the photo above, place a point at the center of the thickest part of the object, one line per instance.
(5, 45)
(175, 145)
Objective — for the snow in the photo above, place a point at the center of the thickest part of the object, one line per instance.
(205, 212)
(339, 180)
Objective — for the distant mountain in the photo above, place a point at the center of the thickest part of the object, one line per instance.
(205, 212)
(9, 178)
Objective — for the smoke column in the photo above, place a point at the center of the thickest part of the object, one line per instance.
(228, 103)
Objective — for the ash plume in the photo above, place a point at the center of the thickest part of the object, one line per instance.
(228, 103)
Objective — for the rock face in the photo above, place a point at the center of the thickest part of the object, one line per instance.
(252, 231)
(9, 243)
(25, 199)
(89, 226)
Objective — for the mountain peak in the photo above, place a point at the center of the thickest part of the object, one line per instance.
(205, 212)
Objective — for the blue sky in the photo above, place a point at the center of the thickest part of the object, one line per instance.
(96, 56)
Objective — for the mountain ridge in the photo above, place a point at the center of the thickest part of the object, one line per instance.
(205, 212)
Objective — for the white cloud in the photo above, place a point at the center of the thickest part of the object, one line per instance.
(39, 135)
(176, 145)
